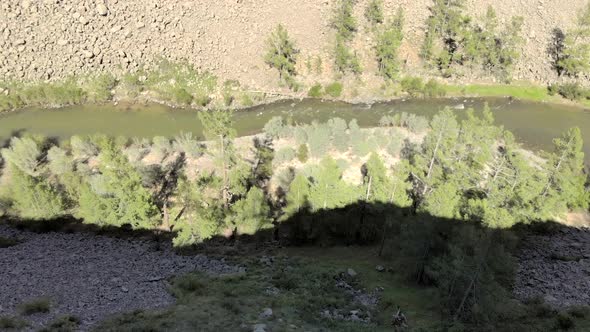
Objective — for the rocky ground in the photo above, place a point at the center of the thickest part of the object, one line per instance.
(50, 39)
(90, 276)
(556, 267)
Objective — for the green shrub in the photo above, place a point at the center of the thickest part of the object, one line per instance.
(284, 155)
(40, 305)
(571, 91)
(417, 124)
(374, 12)
(6, 242)
(316, 91)
(395, 145)
(334, 89)
(302, 153)
(434, 89)
(12, 323)
(565, 321)
(98, 88)
(188, 284)
(202, 99)
(63, 324)
(319, 139)
(412, 86)
(274, 127)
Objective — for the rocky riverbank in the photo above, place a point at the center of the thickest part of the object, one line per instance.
(90, 276)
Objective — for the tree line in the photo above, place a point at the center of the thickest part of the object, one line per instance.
(454, 42)
(467, 169)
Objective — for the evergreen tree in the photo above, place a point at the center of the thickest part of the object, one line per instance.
(374, 12)
(118, 196)
(218, 128)
(388, 42)
(328, 191)
(437, 150)
(281, 56)
(297, 196)
(251, 213)
(565, 187)
(575, 59)
(34, 198)
(24, 154)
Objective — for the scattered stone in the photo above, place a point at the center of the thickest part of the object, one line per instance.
(87, 54)
(379, 268)
(19, 42)
(266, 313)
(83, 20)
(93, 276)
(62, 42)
(101, 9)
(351, 273)
(259, 328)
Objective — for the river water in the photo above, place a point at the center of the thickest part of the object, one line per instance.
(534, 124)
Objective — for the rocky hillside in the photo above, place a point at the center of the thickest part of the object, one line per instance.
(49, 39)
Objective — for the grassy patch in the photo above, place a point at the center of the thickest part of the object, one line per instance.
(63, 324)
(6, 242)
(296, 287)
(8, 323)
(520, 91)
(35, 306)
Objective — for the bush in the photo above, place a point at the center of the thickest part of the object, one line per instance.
(284, 155)
(394, 148)
(302, 153)
(374, 12)
(40, 305)
(274, 127)
(316, 91)
(412, 86)
(417, 124)
(63, 324)
(564, 321)
(185, 143)
(571, 91)
(319, 139)
(12, 323)
(434, 89)
(334, 89)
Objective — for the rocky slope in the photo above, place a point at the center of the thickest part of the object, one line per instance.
(556, 268)
(90, 276)
(48, 39)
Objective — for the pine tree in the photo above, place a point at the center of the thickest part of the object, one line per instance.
(565, 187)
(250, 214)
(328, 190)
(34, 198)
(218, 128)
(576, 54)
(374, 12)
(297, 196)
(24, 154)
(388, 43)
(281, 55)
(118, 196)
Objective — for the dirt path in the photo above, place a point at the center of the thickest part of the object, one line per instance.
(90, 276)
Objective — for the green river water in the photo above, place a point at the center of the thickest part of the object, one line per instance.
(534, 124)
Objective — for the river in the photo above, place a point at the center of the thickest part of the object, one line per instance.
(534, 124)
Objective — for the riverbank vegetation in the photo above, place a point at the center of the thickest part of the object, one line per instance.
(435, 197)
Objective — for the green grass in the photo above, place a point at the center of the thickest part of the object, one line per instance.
(6, 242)
(63, 324)
(520, 91)
(305, 282)
(9, 323)
(35, 306)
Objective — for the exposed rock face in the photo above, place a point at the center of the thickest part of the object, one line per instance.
(90, 276)
(556, 268)
(229, 37)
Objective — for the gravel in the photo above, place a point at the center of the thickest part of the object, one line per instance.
(91, 276)
(556, 268)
